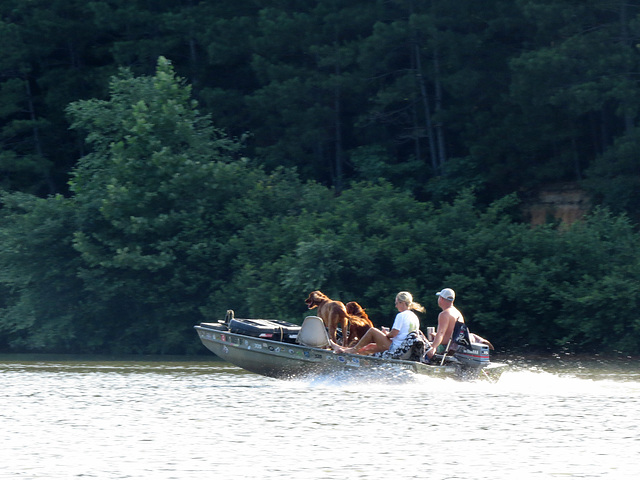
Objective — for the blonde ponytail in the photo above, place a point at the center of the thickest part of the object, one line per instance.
(406, 297)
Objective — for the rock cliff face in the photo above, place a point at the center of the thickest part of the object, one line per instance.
(566, 202)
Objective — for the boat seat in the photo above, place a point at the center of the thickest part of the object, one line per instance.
(313, 333)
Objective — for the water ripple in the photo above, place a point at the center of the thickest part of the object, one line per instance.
(201, 420)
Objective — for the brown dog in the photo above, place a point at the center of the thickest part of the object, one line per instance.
(332, 312)
(359, 321)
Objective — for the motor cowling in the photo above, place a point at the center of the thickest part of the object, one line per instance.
(476, 355)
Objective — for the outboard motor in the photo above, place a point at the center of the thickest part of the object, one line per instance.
(476, 355)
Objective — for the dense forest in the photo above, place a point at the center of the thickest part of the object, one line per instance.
(161, 162)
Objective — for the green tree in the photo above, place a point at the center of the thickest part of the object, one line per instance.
(146, 189)
(437, 70)
(23, 164)
(309, 89)
(44, 307)
(55, 54)
(614, 177)
(161, 200)
(575, 87)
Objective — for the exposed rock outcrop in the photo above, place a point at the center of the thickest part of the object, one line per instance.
(566, 202)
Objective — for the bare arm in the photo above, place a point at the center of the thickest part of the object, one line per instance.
(390, 334)
(443, 323)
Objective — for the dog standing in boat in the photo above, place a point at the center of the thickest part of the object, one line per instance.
(332, 312)
(359, 321)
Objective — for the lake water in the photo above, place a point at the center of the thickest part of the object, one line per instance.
(553, 418)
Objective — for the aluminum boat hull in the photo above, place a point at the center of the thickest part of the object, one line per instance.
(288, 360)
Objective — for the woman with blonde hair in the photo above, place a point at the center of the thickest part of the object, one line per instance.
(381, 340)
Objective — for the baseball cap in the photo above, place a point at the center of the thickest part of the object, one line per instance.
(447, 294)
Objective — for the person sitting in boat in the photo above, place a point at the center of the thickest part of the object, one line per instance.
(452, 329)
(374, 340)
(446, 321)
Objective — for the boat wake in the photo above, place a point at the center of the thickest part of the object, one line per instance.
(382, 376)
(527, 381)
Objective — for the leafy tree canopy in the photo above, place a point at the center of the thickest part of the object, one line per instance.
(358, 148)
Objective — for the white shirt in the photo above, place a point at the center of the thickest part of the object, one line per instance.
(405, 322)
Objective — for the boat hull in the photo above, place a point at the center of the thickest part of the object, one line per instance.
(289, 360)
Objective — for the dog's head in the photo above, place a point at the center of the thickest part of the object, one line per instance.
(315, 298)
(354, 309)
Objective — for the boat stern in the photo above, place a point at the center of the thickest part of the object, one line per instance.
(476, 356)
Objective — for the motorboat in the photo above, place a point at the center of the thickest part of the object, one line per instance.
(285, 350)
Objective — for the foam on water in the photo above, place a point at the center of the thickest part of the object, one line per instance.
(525, 380)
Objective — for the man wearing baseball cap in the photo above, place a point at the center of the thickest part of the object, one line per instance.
(446, 320)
